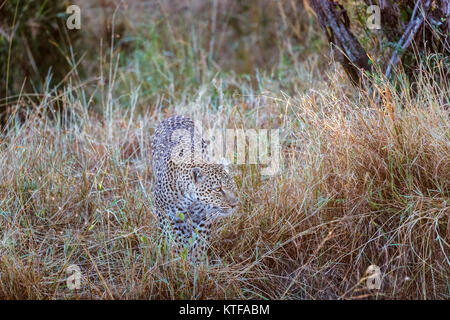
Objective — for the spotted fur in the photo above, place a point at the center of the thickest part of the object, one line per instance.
(190, 192)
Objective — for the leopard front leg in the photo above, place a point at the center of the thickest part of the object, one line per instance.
(172, 230)
(201, 240)
(192, 240)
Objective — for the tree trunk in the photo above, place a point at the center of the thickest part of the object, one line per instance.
(427, 26)
(335, 22)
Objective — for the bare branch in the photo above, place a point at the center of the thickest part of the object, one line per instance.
(409, 34)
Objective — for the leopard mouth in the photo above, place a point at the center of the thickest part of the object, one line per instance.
(225, 211)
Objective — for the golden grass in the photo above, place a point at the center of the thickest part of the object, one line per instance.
(360, 185)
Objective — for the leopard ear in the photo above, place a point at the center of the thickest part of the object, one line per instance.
(197, 175)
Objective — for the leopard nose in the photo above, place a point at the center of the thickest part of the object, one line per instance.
(234, 202)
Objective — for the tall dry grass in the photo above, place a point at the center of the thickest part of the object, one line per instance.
(360, 185)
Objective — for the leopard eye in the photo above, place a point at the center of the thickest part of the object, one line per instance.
(218, 188)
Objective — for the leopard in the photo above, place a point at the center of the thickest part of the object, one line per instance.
(190, 191)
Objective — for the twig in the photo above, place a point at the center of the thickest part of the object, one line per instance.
(407, 37)
(5, 34)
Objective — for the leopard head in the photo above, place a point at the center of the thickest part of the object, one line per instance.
(212, 187)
